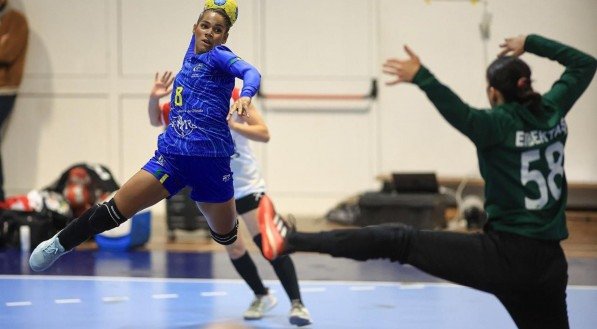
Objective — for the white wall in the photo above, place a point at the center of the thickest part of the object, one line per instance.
(91, 64)
(447, 39)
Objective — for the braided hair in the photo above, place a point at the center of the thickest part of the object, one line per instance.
(512, 78)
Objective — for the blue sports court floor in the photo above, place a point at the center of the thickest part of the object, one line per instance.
(99, 289)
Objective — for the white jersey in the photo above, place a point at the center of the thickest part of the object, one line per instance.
(247, 177)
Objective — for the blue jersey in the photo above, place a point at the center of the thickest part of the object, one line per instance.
(201, 100)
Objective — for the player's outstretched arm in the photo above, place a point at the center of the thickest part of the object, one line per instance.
(162, 86)
(402, 70)
(476, 125)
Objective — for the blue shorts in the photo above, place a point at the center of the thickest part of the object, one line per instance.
(209, 178)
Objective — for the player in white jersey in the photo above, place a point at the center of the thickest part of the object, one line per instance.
(249, 188)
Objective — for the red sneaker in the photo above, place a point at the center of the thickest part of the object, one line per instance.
(273, 229)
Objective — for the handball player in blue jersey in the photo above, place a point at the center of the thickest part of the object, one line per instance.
(194, 150)
(249, 188)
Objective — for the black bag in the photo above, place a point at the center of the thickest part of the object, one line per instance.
(346, 212)
(54, 212)
(102, 180)
(83, 185)
(422, 211)
(41, 228)
(419, 210)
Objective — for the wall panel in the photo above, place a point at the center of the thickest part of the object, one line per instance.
(318, 153)
(91, 64)
(330, 39)
(139, 138)
(68, 38)
(158, 37)
(48, 134)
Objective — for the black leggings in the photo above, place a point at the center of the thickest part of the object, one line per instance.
(528, 276)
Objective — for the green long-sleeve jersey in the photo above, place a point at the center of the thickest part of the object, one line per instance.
(521, 154)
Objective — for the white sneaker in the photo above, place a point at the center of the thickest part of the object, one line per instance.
(259, 306)
(46, 253)
(299, 315)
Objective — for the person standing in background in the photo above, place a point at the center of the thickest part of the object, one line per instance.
(14, 35)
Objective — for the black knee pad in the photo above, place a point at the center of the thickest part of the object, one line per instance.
(225, 239)
(106, 216)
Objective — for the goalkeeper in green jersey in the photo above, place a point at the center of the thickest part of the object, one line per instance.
(520, 146)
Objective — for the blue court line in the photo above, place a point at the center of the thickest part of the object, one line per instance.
(124, 302)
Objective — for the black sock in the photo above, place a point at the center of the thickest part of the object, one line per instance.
(248, 271)
(95, 220)
(284, 268)
(78, 230)
(361, 244)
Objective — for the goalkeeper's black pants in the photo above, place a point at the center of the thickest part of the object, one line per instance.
(528, 276)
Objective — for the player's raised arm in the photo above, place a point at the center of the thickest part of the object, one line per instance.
(478, 125)
(162, 86)
(580, 69)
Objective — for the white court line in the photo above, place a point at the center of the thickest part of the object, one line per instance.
(164, 296)
(115, 299)
(120, 279)
(581, 288)
(213, 293)
(14, 304)
(412, 286)
(184, 280)
(314, 289)
(238, 281)
(362, 288)
(67, 301)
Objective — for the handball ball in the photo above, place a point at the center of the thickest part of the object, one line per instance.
(78, 175)
(77, 195)
(229, 6)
